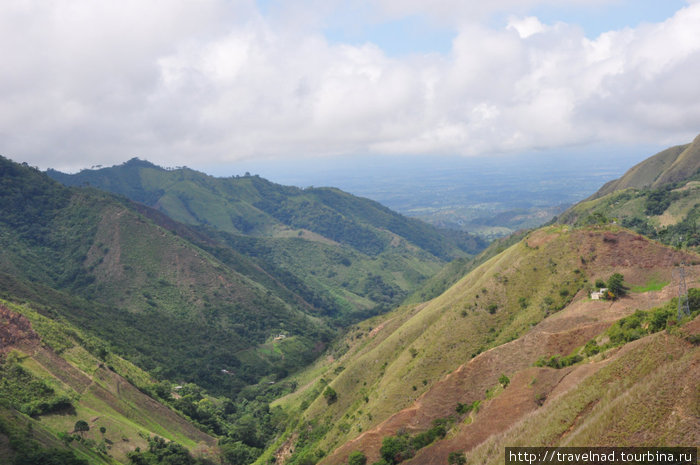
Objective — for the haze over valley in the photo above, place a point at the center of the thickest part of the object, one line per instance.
(257, 232)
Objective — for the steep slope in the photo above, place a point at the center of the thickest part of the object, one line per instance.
(253, 205)
(53, 375)
(355, 256)
(645, 393)
(416, 365)
(659, 198)
(172, 305)
(669, 166)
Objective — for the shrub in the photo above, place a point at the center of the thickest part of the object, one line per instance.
(457, 458)
(357, 458)
(330, 395)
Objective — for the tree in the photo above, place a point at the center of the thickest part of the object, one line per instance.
(616, 285)
(457, 458)
(357, 458)
(103, 430)
(504, 380)
(330, 395)
(81, 426)
(396, 449)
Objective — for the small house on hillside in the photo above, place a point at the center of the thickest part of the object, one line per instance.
(599, 294)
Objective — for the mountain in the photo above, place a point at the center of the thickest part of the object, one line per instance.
(355, 256)
(657, 198)
(254, 206)
(430, 377)
(148, 286)
(672, 165)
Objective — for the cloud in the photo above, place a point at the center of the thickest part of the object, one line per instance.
(180, 82)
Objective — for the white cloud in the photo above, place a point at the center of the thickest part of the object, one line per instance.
(182, 82)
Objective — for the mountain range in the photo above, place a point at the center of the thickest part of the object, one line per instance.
(247, 322)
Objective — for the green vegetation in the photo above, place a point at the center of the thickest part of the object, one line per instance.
(653, 284)
(616, 285)
(396, 449)
(161, 452)
(253, 206)
(631, 328)
(28, 393)
(462, 409)
(668, 213)
(81, 426)
(349, 257)
(357, 458)
(556, 361)
(26, 450)
(330, 395)
(148, 291)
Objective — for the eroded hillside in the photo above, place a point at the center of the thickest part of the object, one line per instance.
(530, 302)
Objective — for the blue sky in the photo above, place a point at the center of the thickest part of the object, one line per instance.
(220, 82)
(418, 33)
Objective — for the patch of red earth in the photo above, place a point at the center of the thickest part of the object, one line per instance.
(604, 253)
(15, 329)
(470, 381)
(496, 415)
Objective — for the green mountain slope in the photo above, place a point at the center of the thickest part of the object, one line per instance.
(669, 166)
(659, 198)
(350, 255)
(151, 292)
(52, 376)
(402, 371)
(252, 205)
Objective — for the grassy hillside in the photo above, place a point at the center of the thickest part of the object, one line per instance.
(644, 393)
(153, 293)
(659, 198)
(52, 376)
(352, 256)
(667, 167)
(404, 370)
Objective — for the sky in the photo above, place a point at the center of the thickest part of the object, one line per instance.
(214, 83)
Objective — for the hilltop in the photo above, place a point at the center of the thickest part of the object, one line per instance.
(669, 166)
(657, 198)
(354, 255)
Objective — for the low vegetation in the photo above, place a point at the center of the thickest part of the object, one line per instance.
(403, 446)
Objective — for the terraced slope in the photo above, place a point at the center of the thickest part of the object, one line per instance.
(50, 381)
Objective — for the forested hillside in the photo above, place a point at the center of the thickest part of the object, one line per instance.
(351, 255)
(148, 290)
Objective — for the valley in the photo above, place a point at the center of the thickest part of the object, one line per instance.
(233, 321)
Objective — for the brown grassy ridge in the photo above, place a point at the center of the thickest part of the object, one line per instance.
(643, 394)
(443, 340)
